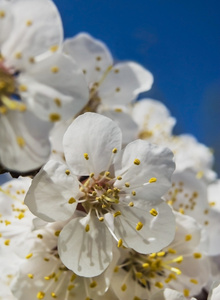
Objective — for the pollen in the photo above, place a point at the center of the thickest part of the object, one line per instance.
(93, 284)
(29, 23)
(119, 178)
(18, 55)
(54, 69)
(186, 292)
(137, 161)
(54, 117)
(70, 287)
(159, 284)
(57, 233)
(117, 213)
(67, 172)
(40, 236)
(7, 242)
(153, 212)
(101, 219)
(86, 156)
(87, 228)
(29, 255)
(133, 193)
(145, 265)
(194, 281)
(23, 88)
(2, 14)
(31, 276)
(120, 243)
(188, 237)
(123, 287)
(54, 48)
(127, 184)
(161, 254)
(53, 295)
(153, 179)
(7, 222)
(117, 89)
(197, 255)
(57, 101)
(72, 200)
(40, 295)
(139, 226)
(115, 150)
(131, 204)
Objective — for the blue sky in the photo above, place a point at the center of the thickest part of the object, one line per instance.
(177, 40)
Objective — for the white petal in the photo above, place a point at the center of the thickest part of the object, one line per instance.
(24, 141)
(91, 55)
(168, 294)
(95, 135)
(50, 192)
(85, 253)
(6, 20)
(54, 87)
(36, 27)
(156, 233)
(124, 83)
(155, 162)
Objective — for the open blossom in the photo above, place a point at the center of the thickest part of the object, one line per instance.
(35, 79)
(119, 190)
(179, 266)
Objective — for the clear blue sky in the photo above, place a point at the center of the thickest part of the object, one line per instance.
(177, 40)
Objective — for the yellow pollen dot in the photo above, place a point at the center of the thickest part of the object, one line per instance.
(31, 276)
(137, 161)
(116, 269)
(93, 284)
(117, 213)
(153, 212)
(139, 226)
(98, 58)
(86, 156)
(176, 270)
(18, 55)
(31, 60)
(20, 141)
(136, 298)
(57, 233)
(54, 48)
(23, 88)
(29, 22)
(40, 236)
(194, 281)
(84, 71)
(206, 223)
(116, 71)
(3, 109)
(127, 184)
(206, 211)
(72, 200)
(91, 175)
(133, 193)
(40, 295)
(186, 292)
(117, 89)
(70, 287)
(188, 237)
(29, 255)
(7, 222)
(54, 69)
(159, 284)
(67, 172)
(46, 259)
(119, 178)
(181, 210)
(73, 277)
(107, 173)
(138, 274)
(115, 150)
(57, 101)
(54, 117)
(98, 69)
(152, 255)
(200, 174)
(53, 295)
(2, 14)
(153, 179)
(7, 242)
(101, 219)
(119, 110)
(119, 243)
(161, 254)
(123, 287)
(212, 203)
(197, 255)
(20, 216)
(87, 228)
(131, 204)
(145, 265)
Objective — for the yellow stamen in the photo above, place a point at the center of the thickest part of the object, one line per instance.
(137, 161)
(139, 226)
(153, 212)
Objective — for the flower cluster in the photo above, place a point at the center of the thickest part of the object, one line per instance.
(105, 203)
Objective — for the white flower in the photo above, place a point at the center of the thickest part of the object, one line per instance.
(188, 195)
(178, 266)
(34, 80)
(120, 191)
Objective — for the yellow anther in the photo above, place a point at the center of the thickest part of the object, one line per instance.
(120, 243)
(117, 89)
(101, 219)
(53, 295)
(57, 233)
(73, 277)
(72, 200)
(152, 255)
(178, 259)
(107, 173)
(91, 175)
(119, 110)
(153, 179)
(115, 150)
(182, 211)
(199, 174)
(3, 110)
(131, 204)
(119, 178)
(31, 60)
(127, 184)
(2, 14)
(57, 101)
(116, 269)
(29, 22)
(47, 277)
(54, 69)
(139, 226)
(206, 223)
(186, 292)
(54, 117)
(136, 298)
(145, 265)
(18, 55)
(194, 281)
(70, 287)
(31, 276)
(159, 284)
(123, 287)
(40, 236)
(161, 254)
(20, 216)
(176, 270)
(67, 172)
(54, 48)
(117, 213)
(29, 255)
(138, 274)
(206, 211)
(133, 193)
(137, 161)
(86, 156)
(7, 242)
(22, 88)
(212, 203)
(7, 222)
(87, 228)
(93, 284)
(197, 255)
(46, 259)
(40, 295)
(172, 251)
(153, 212)
(188, 237)
(94, 193)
